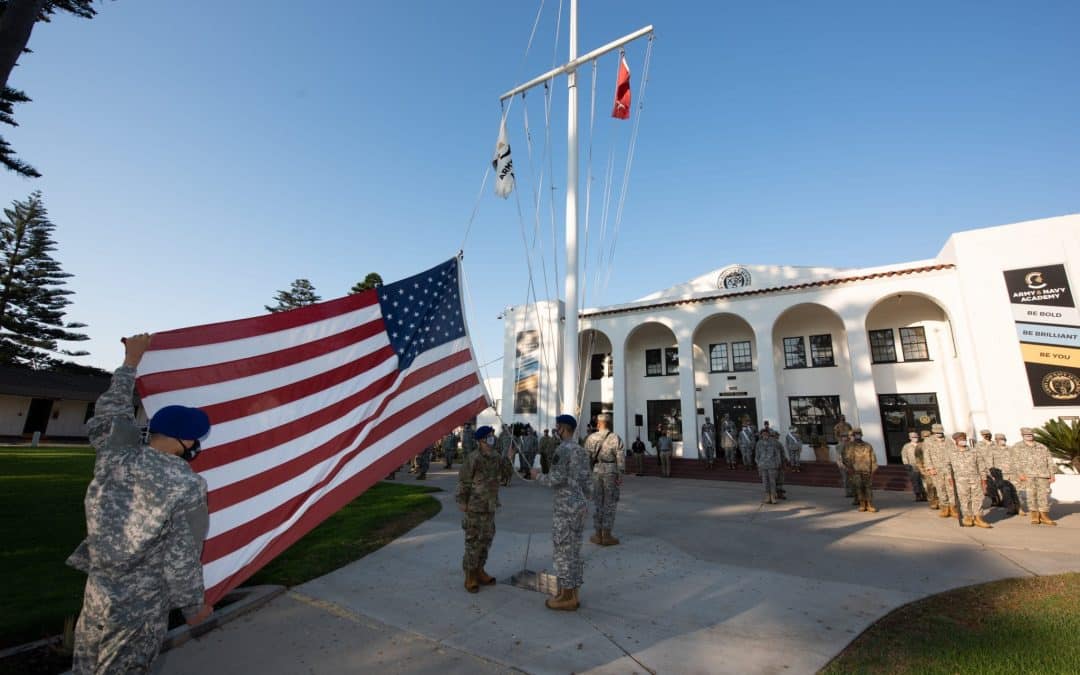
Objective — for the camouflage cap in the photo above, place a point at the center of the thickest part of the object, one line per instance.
(937, 429)
(999, 437)
(984, 432)
(1027, 431)
(924, 434)
(856, 430)
(959, 434)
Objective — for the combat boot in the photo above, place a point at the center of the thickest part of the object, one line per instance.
(471, 584)
(862, 506)
(934, 505)
(597, 538)
(967, 522)
(979, 522)
(563, 601)
(768, 499)
(608, 539)
(870, 507)
(946, 511)
(574, 597)
(484, 578)
(1044, 518)
(1035, 519)
(781, 494)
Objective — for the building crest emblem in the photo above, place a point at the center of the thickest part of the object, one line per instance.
(735, 276)
(1061, 385)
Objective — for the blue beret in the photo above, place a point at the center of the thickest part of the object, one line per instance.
(568, 420)
(483, 432)
(177, 421)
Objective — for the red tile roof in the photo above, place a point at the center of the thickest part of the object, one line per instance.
(772, 289)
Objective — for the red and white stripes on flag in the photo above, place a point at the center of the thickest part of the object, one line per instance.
(312, 406)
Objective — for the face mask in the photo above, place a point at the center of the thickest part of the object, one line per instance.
(192, 452)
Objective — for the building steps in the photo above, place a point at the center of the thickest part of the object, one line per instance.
(814, 474)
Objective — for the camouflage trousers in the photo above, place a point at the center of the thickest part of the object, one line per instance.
(969, 497)
(708, 453)
(794, 457)
(747, 453)
(862, 483)
(423, 461)
(944, 492)
(566, 534)
(605, 500)
(479, 532)
(729, 454)
(768, 479)
(110, 638)
(448, 457)
(929, 488)
(1038, 494)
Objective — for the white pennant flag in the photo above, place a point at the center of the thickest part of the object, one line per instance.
(503, 165)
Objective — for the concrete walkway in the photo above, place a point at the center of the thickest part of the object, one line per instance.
(707, 580)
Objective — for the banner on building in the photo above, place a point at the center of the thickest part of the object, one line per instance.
(1048, 328)
(527, 373)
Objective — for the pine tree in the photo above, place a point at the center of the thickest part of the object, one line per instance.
(301, 293)
(32, 304)
(372, 280)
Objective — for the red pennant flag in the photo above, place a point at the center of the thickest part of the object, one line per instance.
(622, 91)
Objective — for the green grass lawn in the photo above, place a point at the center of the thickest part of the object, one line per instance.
(42, 521)
(1028, 625)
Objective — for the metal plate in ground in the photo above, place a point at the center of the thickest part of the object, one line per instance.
(541, 582)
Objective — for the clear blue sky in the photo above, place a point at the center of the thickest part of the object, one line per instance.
(200, 155)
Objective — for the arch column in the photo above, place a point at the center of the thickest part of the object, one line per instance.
(867, 412)
(767, 397)
(688, 395)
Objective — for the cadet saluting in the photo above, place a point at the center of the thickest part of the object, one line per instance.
(571, 478)
(146, 521)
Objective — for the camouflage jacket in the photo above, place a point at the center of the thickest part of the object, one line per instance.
(792, 442)
(607, 450)
(728, 432)
(967, 465)
(478, 481)
(570, 476)
(859, 457)
(767, 454)
(468, 442)
(985, 449)
(449, 443)
(708, 435)
(907, 453)
(936, 454)
(1033, 461)
(1002, 457)
(747, 437)
(548, 445)
(146, 516)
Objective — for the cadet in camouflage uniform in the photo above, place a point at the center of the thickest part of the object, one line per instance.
(1037, 468)
(530, 446)
(146, 521)
(984, 447)
(907, 456)
(449, 448)
(468, 441)
(747, 443)
(793, 446)
(924, 470)
(1003, 473)
(728, 441)
(708, 443)
(842, 433)
(572, 481)
(548, 443)
(478, 498)
(969, 480)
(767, 456)
(936, 453)
(423, 461)
(608, 454)
(861, 463)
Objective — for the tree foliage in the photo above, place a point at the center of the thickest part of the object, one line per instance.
(1062, 439)
(32, 302)
(372, 280)
(300, 293)
(17, 20)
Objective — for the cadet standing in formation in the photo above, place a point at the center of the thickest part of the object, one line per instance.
(664, 449)
(747, 444)
(1003, 474)
(608, 455)
(936, 453)
(449, 448)
(968, 478)
(146, 520)
(907, 456)
(923, 465)
(842, 433)
(571, 479)
(478, 498)
(793, 445)
(468, 441)
(547, 449)
(423, 463)
(708, 442)
(767, 456)
(861, 464)
(984, 447)
(728, 441)
(1036, 468)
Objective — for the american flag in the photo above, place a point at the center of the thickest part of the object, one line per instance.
(312, 406)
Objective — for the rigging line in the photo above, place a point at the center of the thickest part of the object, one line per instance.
(605, 216)
(476, 208)
(531, 286)
(535, 183)
(588, 187)
(476, 348)
(558, 32)
(536, 24)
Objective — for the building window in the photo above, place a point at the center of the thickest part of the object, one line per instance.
(821, 353)
(718, 358)
(794, 352)
(882, 346)
(913, 342)
(815, 416)
(601, 366)
(666, 413)
(671, 360)
(654, 364)
(741, 357)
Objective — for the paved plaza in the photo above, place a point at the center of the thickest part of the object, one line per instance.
(707, 580)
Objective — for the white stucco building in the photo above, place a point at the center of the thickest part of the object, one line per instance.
(984, 335)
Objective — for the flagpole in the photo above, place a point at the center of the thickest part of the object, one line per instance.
(570, 327)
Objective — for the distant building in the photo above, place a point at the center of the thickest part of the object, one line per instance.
(985, 335)
(56, 404)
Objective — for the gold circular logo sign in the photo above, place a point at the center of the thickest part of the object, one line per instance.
(925, 419)
(1061, 386)
(735, 276)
